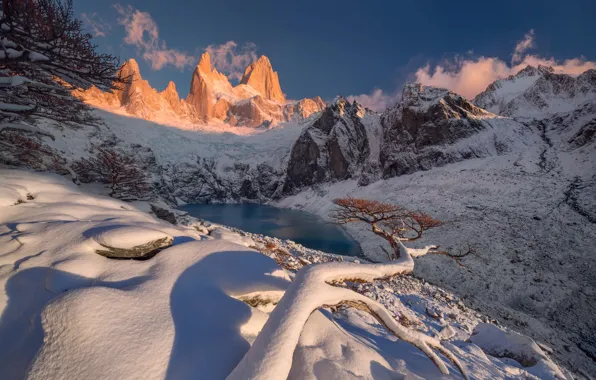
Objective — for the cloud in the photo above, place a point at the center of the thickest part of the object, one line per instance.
(230, 59)
(97, 26)
(377, 100)
(522, 46)
(469, 77)
(142, 31)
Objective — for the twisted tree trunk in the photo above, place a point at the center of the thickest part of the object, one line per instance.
(270, 356)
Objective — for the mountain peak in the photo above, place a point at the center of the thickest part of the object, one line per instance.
(130, 69)
(530, 71)
(260, 76)
(205, 63)
(171, 89)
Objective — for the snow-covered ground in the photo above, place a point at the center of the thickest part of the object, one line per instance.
(69, 312)
(173, 141)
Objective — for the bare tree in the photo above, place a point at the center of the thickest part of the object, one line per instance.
(391, 222)
(44, 54)
(121, 172)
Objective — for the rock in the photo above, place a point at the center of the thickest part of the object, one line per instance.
(200, 96)
(260, 76)
(537, 92)
(255, 111)
(302, 109)
(256, 102)
(139, 98)
(140, 252)
(164, 214)
(334, 147)
(130, 242)
(221, 109)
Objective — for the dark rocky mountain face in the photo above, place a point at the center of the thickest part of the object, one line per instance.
(333, 148)
(417, 131)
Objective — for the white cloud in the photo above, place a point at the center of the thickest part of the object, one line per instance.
(377, 100)
(522, 46)
(97, 26)
(469, 77)
(142, 31)
(230, 59)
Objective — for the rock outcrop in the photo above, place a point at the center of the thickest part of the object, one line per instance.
(203, 85)
(260, 76)
(302, 109)
(334, 147)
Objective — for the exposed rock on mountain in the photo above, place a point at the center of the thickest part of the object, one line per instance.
(538, 92)
(260, 76)
(333, 147)
(255, 111)
(207, 86)
(256, 101)
(140, 99)
(303, 108)
(433, 127)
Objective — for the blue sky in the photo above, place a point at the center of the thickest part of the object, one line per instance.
(329, 48)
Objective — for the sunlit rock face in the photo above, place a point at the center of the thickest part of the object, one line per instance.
(260, 76)
(138, 98)
(302, 109)
(257, 101)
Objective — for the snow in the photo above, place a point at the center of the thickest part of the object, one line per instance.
(509, 89)
(522, 349)
(184, 312)
(225, 234)
(35, 56)
(127, 237)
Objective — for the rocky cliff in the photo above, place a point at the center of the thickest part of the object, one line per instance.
(433, 127)
(333, 148)
(260, 76)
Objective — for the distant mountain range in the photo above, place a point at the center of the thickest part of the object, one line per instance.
(256, 101)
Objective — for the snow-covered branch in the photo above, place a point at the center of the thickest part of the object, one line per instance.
(270, 356)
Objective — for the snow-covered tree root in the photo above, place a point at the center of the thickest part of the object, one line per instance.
(270, 356)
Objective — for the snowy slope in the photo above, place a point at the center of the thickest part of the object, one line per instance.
(185, 312)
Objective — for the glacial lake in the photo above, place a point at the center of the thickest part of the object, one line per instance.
(304, 228)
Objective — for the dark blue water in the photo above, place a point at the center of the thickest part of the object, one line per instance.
(301, 227)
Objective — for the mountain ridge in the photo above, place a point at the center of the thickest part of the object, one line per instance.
(256, 101)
